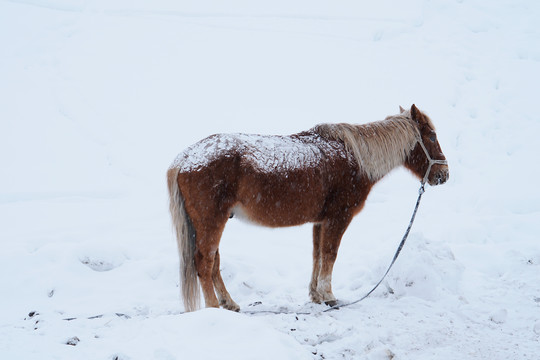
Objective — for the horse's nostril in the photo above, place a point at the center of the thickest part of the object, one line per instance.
(441, 177)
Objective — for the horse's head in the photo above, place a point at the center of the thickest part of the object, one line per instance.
(426, 160)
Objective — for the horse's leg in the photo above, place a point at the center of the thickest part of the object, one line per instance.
(205, 255)
(332, 232)
(224, 297)
(313, 293)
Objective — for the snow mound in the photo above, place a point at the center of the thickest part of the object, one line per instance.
(427, 270)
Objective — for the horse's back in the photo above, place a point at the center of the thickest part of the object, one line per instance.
(265, 153)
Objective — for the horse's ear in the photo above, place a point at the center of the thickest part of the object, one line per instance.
(415, 114)
(401, 110)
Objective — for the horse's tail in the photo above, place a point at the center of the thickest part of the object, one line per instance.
(186, 237)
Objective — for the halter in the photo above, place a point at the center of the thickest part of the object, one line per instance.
(430, 159)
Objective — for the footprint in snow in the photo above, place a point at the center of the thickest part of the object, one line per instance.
(99, 265)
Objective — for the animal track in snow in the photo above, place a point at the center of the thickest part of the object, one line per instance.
(99, 265)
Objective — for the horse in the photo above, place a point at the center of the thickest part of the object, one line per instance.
(320, 176)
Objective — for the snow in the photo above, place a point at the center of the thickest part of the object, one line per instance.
(97, 98)
(266, 154)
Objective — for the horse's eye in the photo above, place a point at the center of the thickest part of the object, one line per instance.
(432, 137)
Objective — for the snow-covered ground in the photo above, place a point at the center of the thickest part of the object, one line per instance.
(98, 97)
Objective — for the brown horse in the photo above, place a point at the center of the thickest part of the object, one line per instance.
(322, 176)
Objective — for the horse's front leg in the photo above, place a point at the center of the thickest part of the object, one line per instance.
(332, 231)
(313, 292)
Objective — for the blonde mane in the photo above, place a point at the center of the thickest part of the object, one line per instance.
(377, 147)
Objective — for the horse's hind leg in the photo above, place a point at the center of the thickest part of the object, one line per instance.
(224, 297)
(313, 293)
(205, 255)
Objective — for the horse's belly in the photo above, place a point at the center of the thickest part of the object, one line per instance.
(282, 208)
(271, 218)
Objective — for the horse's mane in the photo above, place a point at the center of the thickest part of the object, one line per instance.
(377, 147)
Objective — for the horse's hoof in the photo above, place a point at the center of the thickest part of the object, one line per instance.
(232, 307)
(331, 303)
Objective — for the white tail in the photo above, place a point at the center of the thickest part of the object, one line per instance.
(186, 237)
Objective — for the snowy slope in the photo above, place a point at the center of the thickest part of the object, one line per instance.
(98, 97)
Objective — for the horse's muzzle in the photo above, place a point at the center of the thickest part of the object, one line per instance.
(440, 176)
